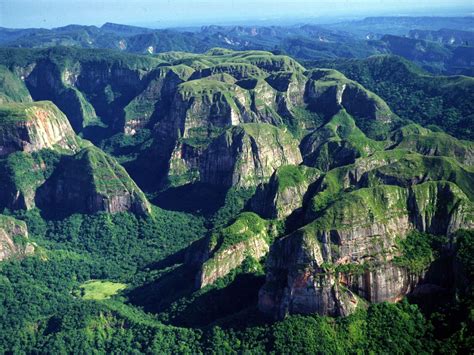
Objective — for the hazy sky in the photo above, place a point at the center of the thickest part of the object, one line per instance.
(161, 13)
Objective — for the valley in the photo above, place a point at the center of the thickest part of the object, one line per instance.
(202, 199)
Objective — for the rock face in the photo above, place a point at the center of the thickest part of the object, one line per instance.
(156, 97)
(424, 141)
(38, 166)
(347, 252)
(91, 181)
(388, 167)
(91, 89)
(338, 142)
(34, 126)
(12, 88)
(246, 88)
(191, 102)
(285, 191)
(248, 155)
(328, 91)
(21, 174)
(214, 257)
(13, 239)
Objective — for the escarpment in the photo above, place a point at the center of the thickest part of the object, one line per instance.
(338, 142)
(30, 127)
(156, 97)
(89, 182)
(91, 88)
(249, 236)
(422, 140)
(339, 181)
(238, 93)
(285, 191)
(248, 155)
(189, 101)
(346, 254)
(14, 239)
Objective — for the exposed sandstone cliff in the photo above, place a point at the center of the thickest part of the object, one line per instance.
(156, 96)
(13, 239)
(34, 126)
(285, 191)
(248, 155)
(91, 181)
(358, 231)
(215, 256)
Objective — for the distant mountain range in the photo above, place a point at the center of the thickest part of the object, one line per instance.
(439, 45)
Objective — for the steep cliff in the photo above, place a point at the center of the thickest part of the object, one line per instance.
(91, 87)
(88, 182)
(249, 236)
(14, 239)
(328, 91)
(422, 140)
(285, 191)
(348, 251)
(34, 126)
(247, 155)
(21, 174)
(395, 167)
(12, 88)
(338, 142)
(156, 96)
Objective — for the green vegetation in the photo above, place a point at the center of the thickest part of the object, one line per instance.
(100, 290)
(204, 86)
(12, 89)
(24, 172)
(428, 100)
(126, 148)
(18, 112)
(338, 142)
(39, 289)
(40, 124)
(294, 176)
(396, 167)
(235, 200)
(268, 133)
(108, 176)
(416, 252)
(126, 282)
(200, 137)
(11, 57)
(384, 328)
(237, 70)
(421, 140)
(246, 226)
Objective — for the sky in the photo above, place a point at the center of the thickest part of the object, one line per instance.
(171, 13)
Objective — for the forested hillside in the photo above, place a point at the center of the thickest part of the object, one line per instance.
(233, 202)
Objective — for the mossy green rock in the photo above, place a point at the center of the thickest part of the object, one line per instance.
(393, 167)
(21, 174)
(12, 88)
(156, 96)
(329, 90)
(338, 142)
(91, 181)
(249, 236)
(422, 140)
(285, 191)
(308, 270)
